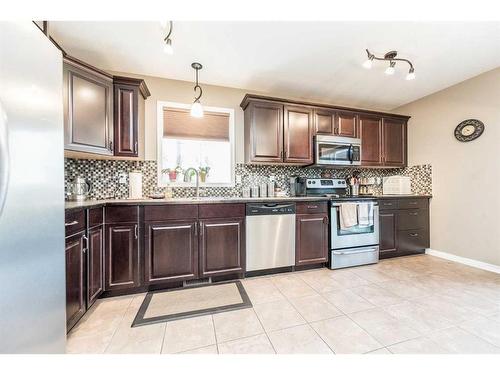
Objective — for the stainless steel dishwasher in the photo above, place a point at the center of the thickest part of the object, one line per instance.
(270, 235)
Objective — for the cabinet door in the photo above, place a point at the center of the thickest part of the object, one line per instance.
(95, 264)
(264, 132)
(394, 142)
(75, 279)
(122, 271)
(222, 246)
(371, 140)
(347, 124)
(126, 127)
(88, 115)
(324, 122)
(388, 233)
(311, 239)
(413, 241)
(298, 132)
(171, 251)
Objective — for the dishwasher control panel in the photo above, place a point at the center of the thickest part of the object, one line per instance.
(254, 209)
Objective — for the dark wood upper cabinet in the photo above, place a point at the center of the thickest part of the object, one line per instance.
(75, 279)
(311, 239)
(121, 256)
(371, 140)
(264, 132)
(222, 246)
(298, 133)
(394, 142)
(95, 264)
(88, 103)
(171, 251)
(347, 124)
(129, 96)
(324, 122)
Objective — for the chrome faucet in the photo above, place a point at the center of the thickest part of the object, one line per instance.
(187, 178)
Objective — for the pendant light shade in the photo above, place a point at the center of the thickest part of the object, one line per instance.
(196, 107)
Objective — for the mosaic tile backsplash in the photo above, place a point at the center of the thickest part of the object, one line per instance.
(104, 175)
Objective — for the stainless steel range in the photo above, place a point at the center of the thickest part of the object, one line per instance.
(354, 224)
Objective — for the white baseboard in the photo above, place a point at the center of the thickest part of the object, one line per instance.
(467, 261)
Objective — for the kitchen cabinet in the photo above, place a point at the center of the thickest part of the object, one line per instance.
(394, 142)
(311, 233)
(121, 248)
(129, 97)
(281, 131)
(75, 279)
(222, 246)
(88, 108)
(264, 132)
(371, 140)
(95, 264)
(404, 226)
(298, 132)
(171, 251)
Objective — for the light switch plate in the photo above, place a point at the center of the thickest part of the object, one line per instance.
(238, 179)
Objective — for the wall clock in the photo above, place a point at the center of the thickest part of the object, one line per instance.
(469, 130)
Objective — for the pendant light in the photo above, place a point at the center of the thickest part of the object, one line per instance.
(167, 48)
(196, 108)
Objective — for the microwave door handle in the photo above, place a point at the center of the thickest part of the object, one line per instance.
(350, 153)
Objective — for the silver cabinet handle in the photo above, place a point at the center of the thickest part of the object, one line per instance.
(135, 147)
(86, 244)
(413, 234)
(136, 230)
(4, 158)
(111, 145)
(413, 213)
(354, 252)
(201, 229)
(312, 207)
(74, 222)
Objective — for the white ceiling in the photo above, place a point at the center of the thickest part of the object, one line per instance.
(318, 61)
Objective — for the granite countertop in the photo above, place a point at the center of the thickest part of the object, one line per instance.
(70, 205)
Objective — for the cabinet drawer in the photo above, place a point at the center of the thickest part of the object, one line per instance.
(122, 214)
(208, 211)
(170, 212)
(413, 240)
(413, 203)
(74, 222)
(388, 204)
(413, 219)
(312, 207)
(96, 216)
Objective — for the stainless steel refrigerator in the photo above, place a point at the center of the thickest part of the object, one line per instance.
(32, 260)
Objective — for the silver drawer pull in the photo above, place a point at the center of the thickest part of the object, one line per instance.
(312, 206)
(412, 202)
(413, 214)
(71, 224)
(354, 252)
(413, 234)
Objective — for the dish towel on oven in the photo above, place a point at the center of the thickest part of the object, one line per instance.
(348, 215)
(365, 214)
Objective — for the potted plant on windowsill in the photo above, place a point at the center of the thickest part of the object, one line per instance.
(203, 171)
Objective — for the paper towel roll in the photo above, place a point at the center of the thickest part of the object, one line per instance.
(135, 185)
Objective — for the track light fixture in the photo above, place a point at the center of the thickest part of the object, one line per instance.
(196, 107)
(167, 48)
(392, 58)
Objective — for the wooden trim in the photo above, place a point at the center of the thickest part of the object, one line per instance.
(251, 97)
(140, 83)
(81, 64)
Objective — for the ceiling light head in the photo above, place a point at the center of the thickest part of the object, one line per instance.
(167, 48)
(196, 107)
(390, 69)
(411, 74)
(369, 62)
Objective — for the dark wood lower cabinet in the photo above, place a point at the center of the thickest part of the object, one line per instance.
(311, 245)
(75, 279)
(171, 251)
(405, 229)
(95, 264)
(122, 260)
(222, 246)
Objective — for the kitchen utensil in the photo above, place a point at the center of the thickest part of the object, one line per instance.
(79, 189)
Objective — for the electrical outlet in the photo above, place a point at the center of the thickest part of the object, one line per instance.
(272, 178)
(238, 179)
(122, 178)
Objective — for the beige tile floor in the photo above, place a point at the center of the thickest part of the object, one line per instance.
(420, 304)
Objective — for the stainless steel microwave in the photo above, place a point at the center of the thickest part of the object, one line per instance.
(336, 151)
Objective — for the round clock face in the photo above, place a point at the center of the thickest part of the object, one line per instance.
(469, 130)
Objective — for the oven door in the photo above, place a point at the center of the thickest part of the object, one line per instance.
(355, 236)
(329, 152)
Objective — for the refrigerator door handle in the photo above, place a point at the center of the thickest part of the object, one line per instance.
(4, 158)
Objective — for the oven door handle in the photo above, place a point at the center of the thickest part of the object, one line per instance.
(370, 250)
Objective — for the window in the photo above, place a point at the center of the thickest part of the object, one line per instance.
(206, 144)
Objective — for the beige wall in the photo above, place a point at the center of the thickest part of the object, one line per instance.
(465, 209)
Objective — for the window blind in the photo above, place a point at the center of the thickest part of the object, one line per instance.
(178, 123)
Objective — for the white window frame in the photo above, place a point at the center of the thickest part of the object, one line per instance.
(161, 105)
